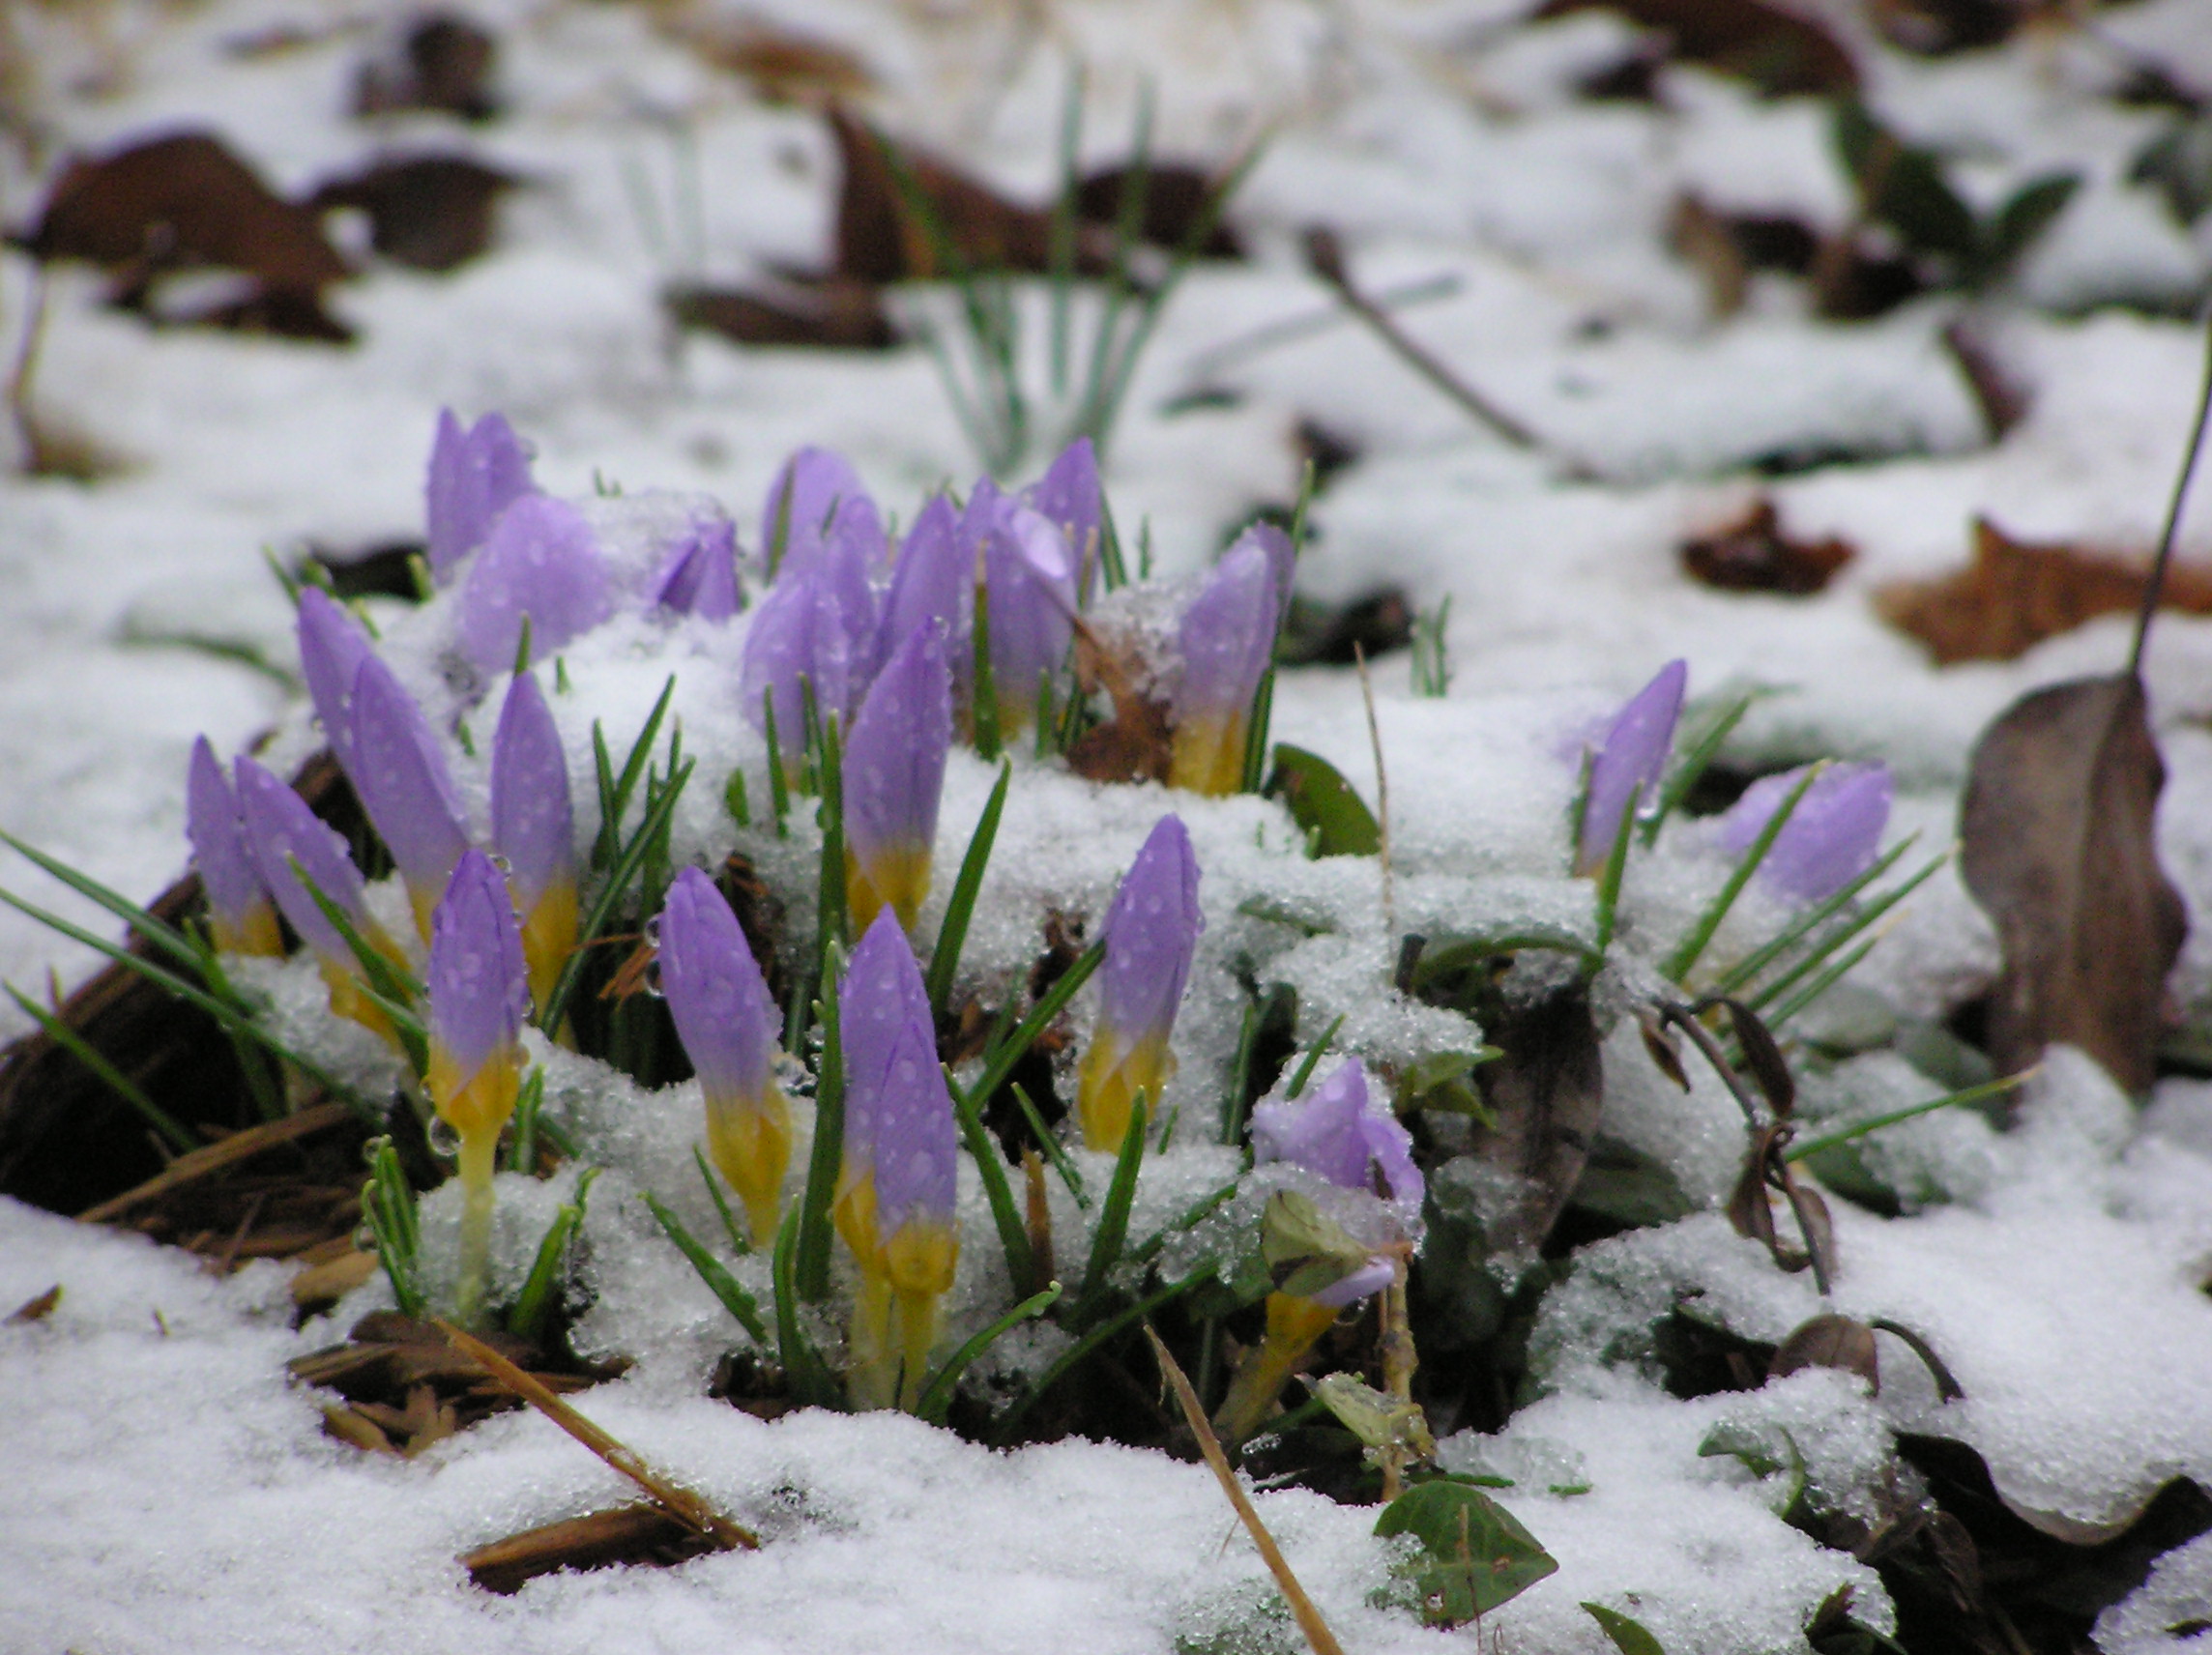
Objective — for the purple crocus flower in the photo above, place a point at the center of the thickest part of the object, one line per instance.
(280, 830)
(1337, 1133)
(404, 785)
(894, 777)
(332, 648)
(1228, 637)
(1150, 931)
(239, 910)
(896, 1189)
(1626, 761)
(533, 828)
(730, 1026)
(478, 995)
(542, 561)
(1030, 580)
(932, 582)
(1068, 498)
(475, 475)
(699, 575)
(818, 621)
(1830, 838)
(816, 491)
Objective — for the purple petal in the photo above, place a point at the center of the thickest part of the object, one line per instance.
(1282, 561)
(916, 1141)
(1830, 838)
(724, 1011)
(818, 621)
(402, 780)
(475, 475)
(1152, 930)
(540, 561)
(894, 759)
(332, 648)
(478, 990)
(1227, 636)
(1029, 579)
(699, 576)
(821, 486)
(1627, 762)
(532, 826)
(228, 874)
(881, 998)
(1369, 1278)
(933, 580)
(1068, 496)
(280, 830)
(1335, 1134)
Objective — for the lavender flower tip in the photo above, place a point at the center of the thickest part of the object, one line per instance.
(1830, 838)
(1337, 1134)
(1152, 932)
(1228, 637)
(479, 995)
(475, 475)
(404, 785)
(332, 648)
(894, 778)
(1627, 762)
(240, 912)
(542, 559)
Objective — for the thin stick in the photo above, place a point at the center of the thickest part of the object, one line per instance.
(1324, 256)
(2156, 583)
(26, 369)
(681, 1503)
(199, 1163)
(1317, 1635)
(1381, 791)
(1399, 1360)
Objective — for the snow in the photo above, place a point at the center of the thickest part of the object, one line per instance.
(2057, 1269)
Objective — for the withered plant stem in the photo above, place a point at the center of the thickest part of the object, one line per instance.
(1317, 1635)
(1399, 1360)
(1381, 792)
(223, 1153)
(2155, 583)
(680, 1502)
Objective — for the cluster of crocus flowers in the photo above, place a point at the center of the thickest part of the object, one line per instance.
(894, 777)
(729, 1026)
(241, 917)
(897, 1184)
(1830, 837)
(478, 995)
(1227, 639)
(1625, 763)
(1151, 932)
(812, 640)
(1365, 1160)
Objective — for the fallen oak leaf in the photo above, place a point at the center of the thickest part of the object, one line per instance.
(1775, 48)
(1751, 553)
(2058, 846)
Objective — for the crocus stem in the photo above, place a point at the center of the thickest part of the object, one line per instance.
(873, 1382)
(1399, 1360)
(917, 1334)
(477, 1155)
(1295, 1325)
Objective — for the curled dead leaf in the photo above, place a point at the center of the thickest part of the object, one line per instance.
(1751, 553)
(432, 211)
(2058, 846)
(1829, 1341)
(1137, 742)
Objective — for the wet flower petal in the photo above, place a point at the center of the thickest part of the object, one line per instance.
(1336, 1132)
(332, 648)
(818, 621)
(1830, 838)
(728, 1022)
(894, 777)
(476, 984)
(238, 903)
(699, 574)
(404, 785)
(280, 830)
(825, 496)
(475, 475)
(542, 561)
(1627, 761)
(533, 823)
(1152, 931)
(933, 581)
(1068, 496)
(1228, 637)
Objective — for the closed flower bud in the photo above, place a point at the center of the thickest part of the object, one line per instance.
(699, 574)
(475, 475)
(240, 912)
(817, 623)
(1627, 763)
(533, 828)
(1068, 498)
(402, 780)
(1830, 838)
(893, 778)
(542, 561)
(1228, 638)
(1151, 933)
(332, 648)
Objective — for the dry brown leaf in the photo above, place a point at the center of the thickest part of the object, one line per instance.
(37, 1308)
(432, 211)
(2058, 844)
(1778, 49)
(1546, 1093)
(443, 63)
(628, 1534)
(2016, 593)
(1137, 743)
(783, 67)
(1829, 1341)
(1751, 553)
(831, 315)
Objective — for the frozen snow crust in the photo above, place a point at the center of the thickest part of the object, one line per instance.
(170, 1492)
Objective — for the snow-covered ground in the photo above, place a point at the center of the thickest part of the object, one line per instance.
(174, 1493)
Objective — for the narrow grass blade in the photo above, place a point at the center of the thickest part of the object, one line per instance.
(1826, 946)
(725, 1287)
(1744, 971)
(1313, 1058)
(937, 1399)
(1081, 1351)
(812, 1248)
(1610, 880)
(1687, 952)
(810, 1381)
(960, 906)
(1241, 1075)
(1112, 1231)
(153, 1114)
(1970, 1095)
(157, 931)
(830, 916)
(615, 792)
(522, 1148)
(1006, 1214)
(535, 1303)
(1693, 766)
(1054, 1151)
(1000, 1060)
(611, 893)
(740, 1242)
(778, 788)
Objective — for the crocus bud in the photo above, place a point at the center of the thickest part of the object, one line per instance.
(699, 575)
(240, 913)
(1068, 498)
(1028, 579)
(815, 489)
(729, 1025)
(401, 778)
(1151, 932)
(932, 583)
(818, 621)
(1336, 1132)
(475, 475)
(1228, 637)
(332, 648)
(895, 1192)
(540, 561)
(894, 777)
(477, 996)
(1626, 761)
(281, 831)
(1830, 838)
(533, 828)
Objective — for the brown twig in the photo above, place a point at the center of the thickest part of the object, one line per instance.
(1317, 1635)
(223, 1152)
(1324, 256)
(1399, 1360)
(681, 1503)
(1381, 791)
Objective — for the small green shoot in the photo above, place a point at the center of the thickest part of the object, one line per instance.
(937, 1396)
(744, 1309)
(534, 1306)
(1312, 1057)
(1112, 1231)
(387, 1207)
(164, 1123)
(960, 906)
(1679, 964)
(991, 1168)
